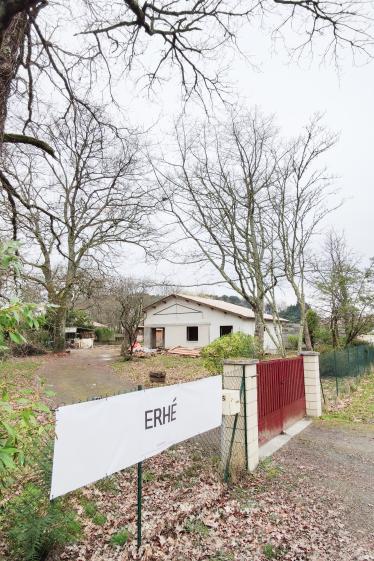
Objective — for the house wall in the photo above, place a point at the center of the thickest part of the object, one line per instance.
(368, 338)
(176, 314)
(268, 343)
(176, 335)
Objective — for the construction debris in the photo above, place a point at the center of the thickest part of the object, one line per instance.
(184, 351)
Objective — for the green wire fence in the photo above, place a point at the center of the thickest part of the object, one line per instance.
(339, 369)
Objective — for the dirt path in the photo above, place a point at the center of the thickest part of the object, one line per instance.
(83, 374)
(338, 457)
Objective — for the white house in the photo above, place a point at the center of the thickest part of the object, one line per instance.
(367, 338)
(192, 321)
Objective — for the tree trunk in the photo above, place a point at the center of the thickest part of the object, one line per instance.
(59, 324)
(260, 328)
(10, 49)
(304, 329)
(308, 341)
(127, 349)
(125, 346)
(334, 332)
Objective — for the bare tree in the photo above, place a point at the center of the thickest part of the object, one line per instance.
(299, 196)
(252, 204)
(187, 36)
(129, 296)
(94, 188)
(218, 194)
(345, 290)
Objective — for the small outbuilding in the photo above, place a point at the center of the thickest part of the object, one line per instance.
(80, 337)
(194, 321)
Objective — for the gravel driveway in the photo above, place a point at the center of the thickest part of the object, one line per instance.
(338, 457)
(83, 374)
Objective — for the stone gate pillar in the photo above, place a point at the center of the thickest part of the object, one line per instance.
(312, 384)
(239, 446)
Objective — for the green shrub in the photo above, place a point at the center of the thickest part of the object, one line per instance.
(293, 342)
(323, 339)
(24, 426)
(313, 322)
(234, 345)
(121, 537)
(35, 526)
(104, 334)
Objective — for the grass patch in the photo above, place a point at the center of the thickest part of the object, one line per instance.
(148, 476)
(91, 511)
(89, 508)
(99, 519)
(196, 526)
(18, 373)
(361, 405)
(222, 556)
(245, 498)
(108, 485)
(121, 537)
(272, 552)
(178, 369)
(270, 469)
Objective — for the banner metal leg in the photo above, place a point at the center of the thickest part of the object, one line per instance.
(139, 517)
(140, 497)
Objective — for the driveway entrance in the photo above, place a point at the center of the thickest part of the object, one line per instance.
(337, 457)
(83, 374)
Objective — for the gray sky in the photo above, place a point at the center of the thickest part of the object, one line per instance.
(292, 92)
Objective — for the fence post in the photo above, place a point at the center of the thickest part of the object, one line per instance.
(312, 384)
(239, 447)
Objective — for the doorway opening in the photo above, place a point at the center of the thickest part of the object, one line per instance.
(158, 337)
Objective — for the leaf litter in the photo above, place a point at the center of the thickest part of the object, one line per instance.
(190, 514)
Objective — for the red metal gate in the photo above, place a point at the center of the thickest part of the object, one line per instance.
(280, 395)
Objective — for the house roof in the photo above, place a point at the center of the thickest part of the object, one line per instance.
(98, 324)
(221, 305)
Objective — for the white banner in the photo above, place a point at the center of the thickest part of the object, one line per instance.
(97, 438)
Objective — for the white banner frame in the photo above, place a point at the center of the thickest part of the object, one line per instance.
(95, 439)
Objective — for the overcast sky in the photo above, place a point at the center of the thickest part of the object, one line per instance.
(292, 93)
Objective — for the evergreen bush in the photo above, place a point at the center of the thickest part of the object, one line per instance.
(234, 345)
(104, 334)
(293, 342)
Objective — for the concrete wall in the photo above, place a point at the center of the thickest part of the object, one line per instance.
(176, 335)
(176, 314)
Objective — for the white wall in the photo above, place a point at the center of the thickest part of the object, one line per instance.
(176, 335)
(176, 314)
(269, 346)
(368, 338)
